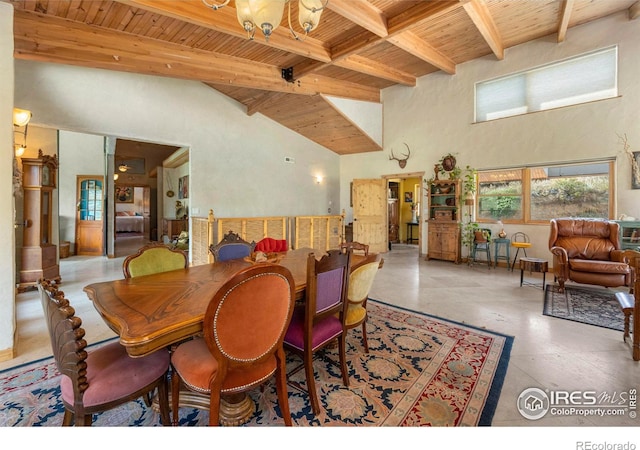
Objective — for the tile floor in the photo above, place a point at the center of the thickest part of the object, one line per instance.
(548, 353)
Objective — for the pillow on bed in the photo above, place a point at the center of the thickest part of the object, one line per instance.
(121, 214)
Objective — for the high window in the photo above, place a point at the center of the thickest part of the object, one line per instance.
(581, 79)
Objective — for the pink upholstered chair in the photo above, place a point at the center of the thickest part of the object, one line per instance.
(244, 325)
(272, 245)
(322, 317)
(104, 378)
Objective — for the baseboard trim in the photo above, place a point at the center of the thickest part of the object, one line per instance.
(7, 354)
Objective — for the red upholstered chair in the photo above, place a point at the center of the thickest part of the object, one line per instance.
(244, 325)
(268, 245)
(322, 317)
(104, 378)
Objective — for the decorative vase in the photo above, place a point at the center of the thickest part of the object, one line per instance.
(436, 169)
(502, 234)
(414, 216)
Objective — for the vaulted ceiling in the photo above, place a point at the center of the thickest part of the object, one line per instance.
(359, 48)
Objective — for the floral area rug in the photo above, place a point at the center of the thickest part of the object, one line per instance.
(593, 306)
(420, 371)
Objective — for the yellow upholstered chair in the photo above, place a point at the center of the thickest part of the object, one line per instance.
(360, 282)
(153, 258)
(244, 325)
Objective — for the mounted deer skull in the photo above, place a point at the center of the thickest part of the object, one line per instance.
(401, 162)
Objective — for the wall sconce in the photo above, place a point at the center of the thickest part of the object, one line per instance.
(318, 179)
(116, 176)
(21, 118)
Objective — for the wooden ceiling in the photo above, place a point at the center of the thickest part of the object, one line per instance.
(359, 48)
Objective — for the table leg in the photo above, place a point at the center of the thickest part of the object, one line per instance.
(235, 409)
(521, 276)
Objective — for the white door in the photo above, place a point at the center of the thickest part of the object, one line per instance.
(370, 214)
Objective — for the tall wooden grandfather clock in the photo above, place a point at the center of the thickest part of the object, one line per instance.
(39, 253)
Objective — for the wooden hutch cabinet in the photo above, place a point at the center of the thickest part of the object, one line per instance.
(39, 253)
(443, 234)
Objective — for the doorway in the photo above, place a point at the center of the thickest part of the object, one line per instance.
(405, 200)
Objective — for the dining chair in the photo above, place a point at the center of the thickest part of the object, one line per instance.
(154, 258)
(356, 246)
(271, 245)
(481, 243)
(321, 319)
(103, 378)
(244, 326)
(232, 246)
(360, 282)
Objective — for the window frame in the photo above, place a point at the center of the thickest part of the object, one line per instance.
(526, 189)
(521, 85)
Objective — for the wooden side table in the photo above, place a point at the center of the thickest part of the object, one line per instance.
(533, 265)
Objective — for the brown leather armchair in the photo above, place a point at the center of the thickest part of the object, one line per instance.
(588, 251)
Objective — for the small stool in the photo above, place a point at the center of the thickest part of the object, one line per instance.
(533, 265)
(499, 243)
(520, 241)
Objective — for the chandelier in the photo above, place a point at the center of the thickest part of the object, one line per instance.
(267, 15)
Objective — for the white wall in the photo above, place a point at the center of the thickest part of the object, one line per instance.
(79, 154)
(7, 262)
(436, 117)
(241, 157)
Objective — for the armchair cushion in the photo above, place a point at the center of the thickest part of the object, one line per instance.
(588, 251)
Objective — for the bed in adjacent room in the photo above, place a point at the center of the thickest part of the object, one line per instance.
(129, 222)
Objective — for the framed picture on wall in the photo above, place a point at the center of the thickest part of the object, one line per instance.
(408, 197)
(183, 187)
(124, 194)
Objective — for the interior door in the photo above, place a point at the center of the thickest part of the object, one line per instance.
(370, 213)
(90, 217)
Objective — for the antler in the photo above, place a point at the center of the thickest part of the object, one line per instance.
(401, 162)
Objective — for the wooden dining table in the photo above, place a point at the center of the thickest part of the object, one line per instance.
(152, 312)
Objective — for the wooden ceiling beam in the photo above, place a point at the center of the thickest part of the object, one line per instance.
(634, 11)
(224, 20)
(363, 14)
(565, 16)
(51, 39)
(396, 34)
(412, 44)
(376, 69)
(479, 13)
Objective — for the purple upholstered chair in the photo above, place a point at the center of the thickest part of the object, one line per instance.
(321, 319)
(104, 378)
